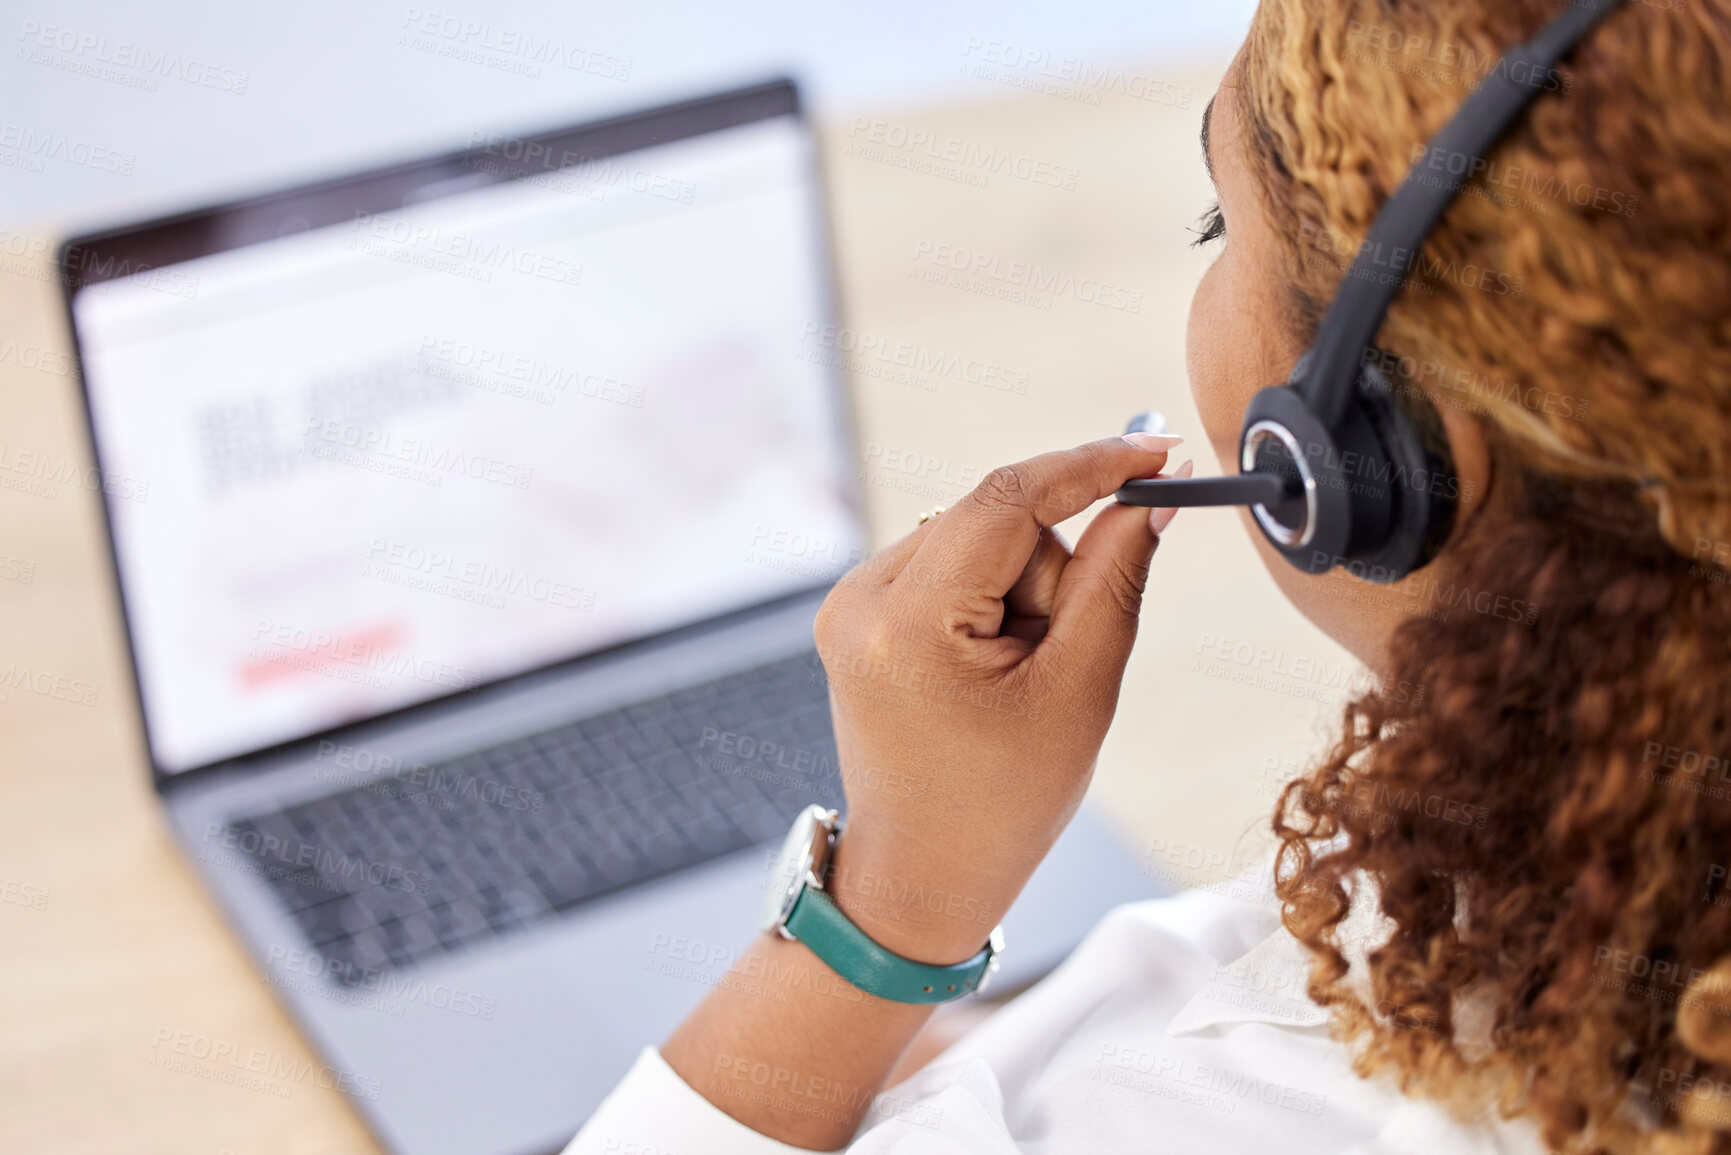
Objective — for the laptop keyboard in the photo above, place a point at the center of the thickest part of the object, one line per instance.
(425, 859)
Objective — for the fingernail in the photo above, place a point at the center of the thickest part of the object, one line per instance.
(1159, 519)
(1154, 442)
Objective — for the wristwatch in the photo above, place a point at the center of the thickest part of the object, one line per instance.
(798, 909)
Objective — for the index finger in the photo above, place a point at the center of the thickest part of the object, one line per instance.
(983, 543)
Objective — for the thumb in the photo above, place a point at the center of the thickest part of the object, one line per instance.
(1100, 593)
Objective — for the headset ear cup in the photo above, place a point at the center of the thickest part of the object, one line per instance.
(1426, 488)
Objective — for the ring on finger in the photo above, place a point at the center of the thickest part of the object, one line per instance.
(929, 514)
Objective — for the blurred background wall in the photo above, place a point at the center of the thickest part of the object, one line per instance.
(265, 94)
(1099, 101)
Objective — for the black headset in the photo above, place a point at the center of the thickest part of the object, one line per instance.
(1338, 468)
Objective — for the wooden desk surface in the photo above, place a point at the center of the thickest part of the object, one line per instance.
(109, 947)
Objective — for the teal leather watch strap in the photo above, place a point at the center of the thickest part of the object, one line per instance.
(816, 921)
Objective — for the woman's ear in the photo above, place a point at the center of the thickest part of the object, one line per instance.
(1472, 457)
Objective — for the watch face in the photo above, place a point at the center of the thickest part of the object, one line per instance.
(788, 871)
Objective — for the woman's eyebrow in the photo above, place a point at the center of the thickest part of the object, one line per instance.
(1207, 160)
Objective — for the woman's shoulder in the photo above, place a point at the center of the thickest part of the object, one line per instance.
(1188, 1017)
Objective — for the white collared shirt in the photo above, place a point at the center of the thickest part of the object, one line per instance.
(1178, 1025)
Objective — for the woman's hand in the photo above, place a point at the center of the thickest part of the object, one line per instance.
(974, 667)
(973, 670)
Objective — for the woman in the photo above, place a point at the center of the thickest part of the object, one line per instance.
(1540, 960)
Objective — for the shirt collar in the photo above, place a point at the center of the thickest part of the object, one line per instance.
(1267, 984)
(1263, 985)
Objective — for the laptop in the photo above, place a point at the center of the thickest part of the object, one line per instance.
(469, 518)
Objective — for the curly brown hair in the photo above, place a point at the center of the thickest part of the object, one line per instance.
(1545, 827)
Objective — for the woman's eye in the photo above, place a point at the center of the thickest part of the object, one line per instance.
(1210, 226)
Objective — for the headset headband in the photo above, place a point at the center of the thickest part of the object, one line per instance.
(1407, 218)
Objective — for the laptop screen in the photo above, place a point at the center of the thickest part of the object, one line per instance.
(378, 461)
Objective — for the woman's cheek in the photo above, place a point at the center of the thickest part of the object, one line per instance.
(1208, 356)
